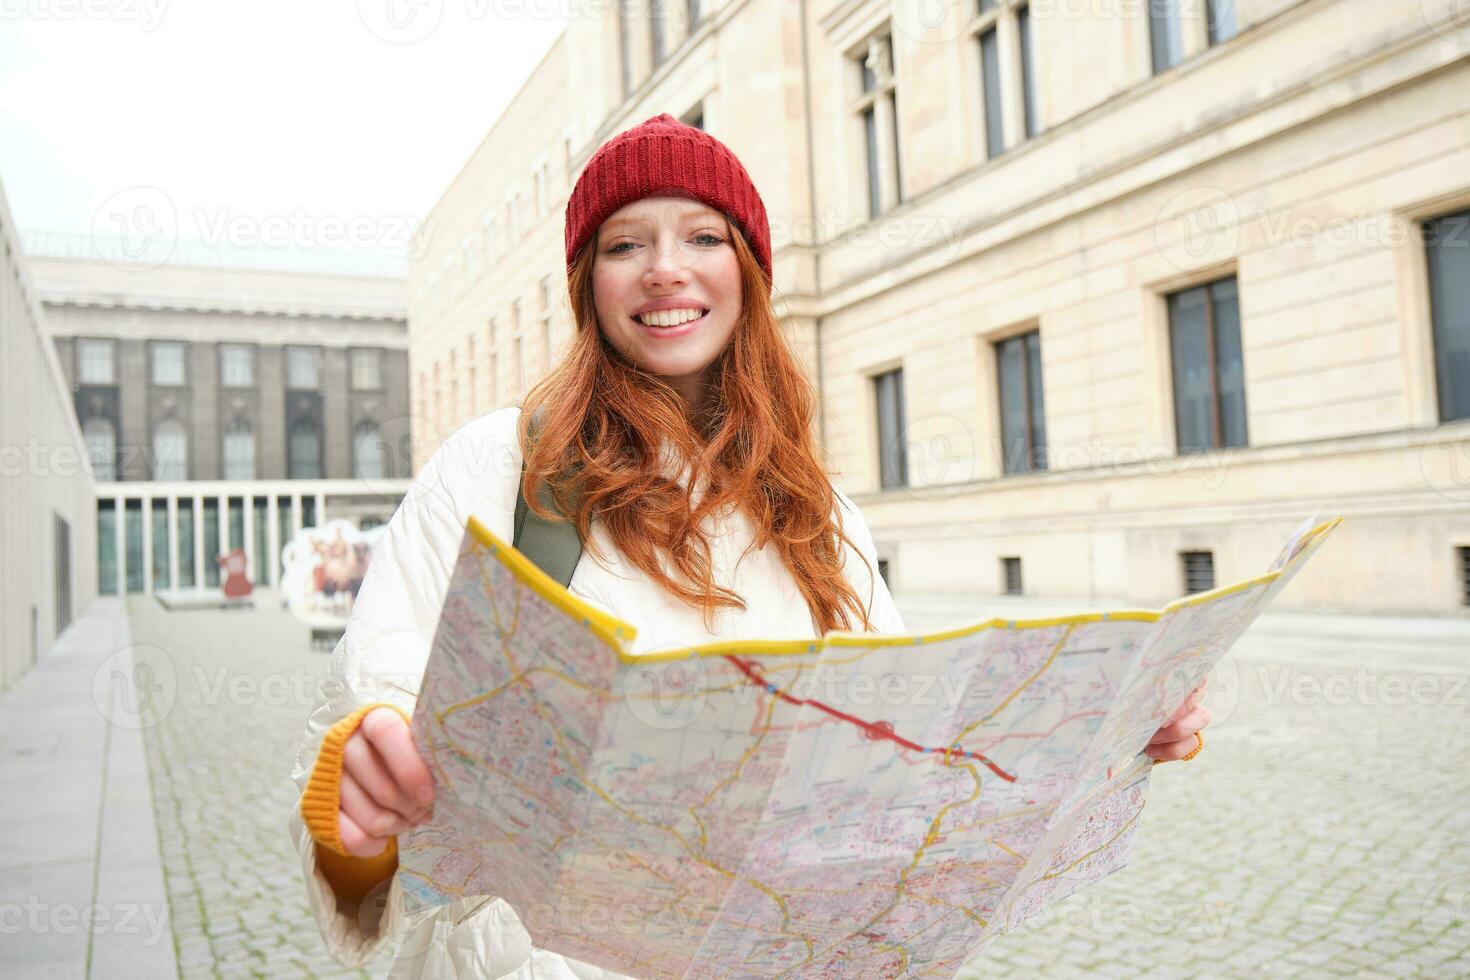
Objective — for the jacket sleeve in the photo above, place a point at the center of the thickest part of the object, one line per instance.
(870, 586)
(381, 656)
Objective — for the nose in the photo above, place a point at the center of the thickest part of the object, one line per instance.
(667, 265)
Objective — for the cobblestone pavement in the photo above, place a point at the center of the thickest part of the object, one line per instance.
(1323, 831)
(220, 762)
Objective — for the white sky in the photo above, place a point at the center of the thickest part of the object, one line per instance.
(247, 120)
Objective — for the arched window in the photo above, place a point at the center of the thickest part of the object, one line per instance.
(239, 451)
(367, 452)
(101, 439)
(170, 451)
(305, 451)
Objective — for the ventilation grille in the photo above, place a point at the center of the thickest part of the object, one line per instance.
(1199, 571)
(1465, 575)
(1012, 567)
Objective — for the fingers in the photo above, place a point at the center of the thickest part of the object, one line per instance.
(373, 819)
(358, 842)
(1184, 728)
(1172, 751)
(393, 740)
(361, 761)
(1190, 702)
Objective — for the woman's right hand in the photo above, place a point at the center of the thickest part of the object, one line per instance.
(385, 787)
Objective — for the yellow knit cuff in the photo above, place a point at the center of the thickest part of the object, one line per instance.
(322, 798)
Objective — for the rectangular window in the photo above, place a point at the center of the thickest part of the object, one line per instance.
(236, 366)
(877, 108)
(107, 547)
(366, 369)
(1028, 71)
(133, 532)
(1199, 571)
(694, 13)
(1022, 405)
(990, 73)
(892, 453)
(185, 540)
(1447, 246)
(95, 362)
(520, 367)
(159, 544)
(1223, 24)
(625, 46)
(883, 572)
(1465, 575)
(1209, 376)
(301, 367)
(1011, 570)
(167, 363)
(1166, 34)
(658, 32)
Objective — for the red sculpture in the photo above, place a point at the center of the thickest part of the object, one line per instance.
(236, 586)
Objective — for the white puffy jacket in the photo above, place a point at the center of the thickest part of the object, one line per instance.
(382, 655)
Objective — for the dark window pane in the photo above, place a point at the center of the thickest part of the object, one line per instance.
(160, 544)
(1223, 24)
(211, 541)
(1012, 570)
(987, 5)
(1447, 243)
(875, 191)
(305, 451)
(892, 458)
(135, 552)
(1037, 405)
(262, 542)
(1165, 36)
(237, 523)
(106, 547)
(285, 524)
(1199, 571)
(1226, 307)
(186, 543)
(1028, 71)
(897, 165)
(1010, 357)
(990, 78)
(1190, 353)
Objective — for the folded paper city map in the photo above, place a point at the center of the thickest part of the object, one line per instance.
(854, 805)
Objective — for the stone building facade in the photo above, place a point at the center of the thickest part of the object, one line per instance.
(1101, 299)
(228, 406)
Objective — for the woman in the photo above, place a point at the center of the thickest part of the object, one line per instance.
(700, 498)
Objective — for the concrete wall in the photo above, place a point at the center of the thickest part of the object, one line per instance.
(44, 476)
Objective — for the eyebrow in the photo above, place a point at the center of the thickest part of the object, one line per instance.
(714, 217)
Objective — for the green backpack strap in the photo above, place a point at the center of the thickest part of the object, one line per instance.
(552, 546)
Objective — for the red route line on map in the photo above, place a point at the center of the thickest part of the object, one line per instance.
(873, 730)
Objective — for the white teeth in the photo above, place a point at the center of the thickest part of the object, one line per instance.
(670, 318)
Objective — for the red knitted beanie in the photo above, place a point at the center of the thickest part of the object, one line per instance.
(664, 157)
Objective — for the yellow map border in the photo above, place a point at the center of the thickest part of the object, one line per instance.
(616, 632)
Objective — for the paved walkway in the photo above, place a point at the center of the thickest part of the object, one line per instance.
(81, 882)
(1322, 832)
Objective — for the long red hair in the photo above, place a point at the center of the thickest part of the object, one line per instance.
(601, 421)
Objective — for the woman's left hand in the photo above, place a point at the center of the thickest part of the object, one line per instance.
(1176, 739)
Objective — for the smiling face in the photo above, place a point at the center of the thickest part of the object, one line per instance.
(657, 260)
